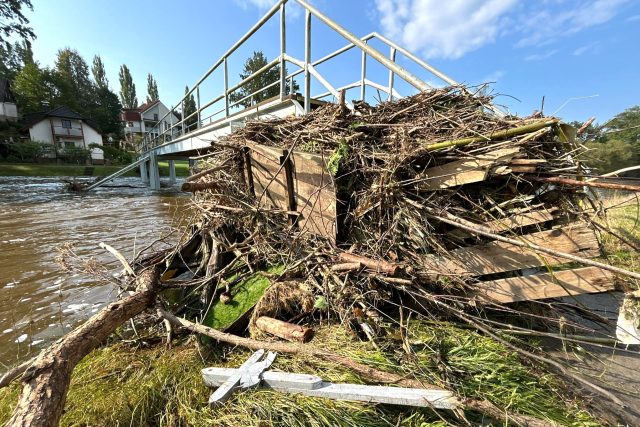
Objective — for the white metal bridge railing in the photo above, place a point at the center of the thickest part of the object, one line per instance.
(308, 68)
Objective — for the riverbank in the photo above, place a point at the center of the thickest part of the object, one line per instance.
(34, 169)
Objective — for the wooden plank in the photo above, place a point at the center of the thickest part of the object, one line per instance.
(511, 222)
(233, 381)
(315, 194)
(465, 171)
(578, 281)
(311, 385)
(269, 178)
(496, 257)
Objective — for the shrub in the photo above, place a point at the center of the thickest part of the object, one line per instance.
(113, 154)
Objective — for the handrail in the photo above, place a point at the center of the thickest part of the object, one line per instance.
(306, 66)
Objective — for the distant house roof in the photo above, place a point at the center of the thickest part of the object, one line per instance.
(144, 107)
(5, 91)
(60, 112)
(130, 115)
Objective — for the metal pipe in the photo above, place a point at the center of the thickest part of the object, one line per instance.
(392, 57)
(255, 75)
(376, 54)
(327, 85)
(414, 58)
(226, 88)
(183, 116)
(307, 61)
(283, 50)
(198, 101)
(363, 74)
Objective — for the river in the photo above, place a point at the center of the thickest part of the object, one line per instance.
(39, 302)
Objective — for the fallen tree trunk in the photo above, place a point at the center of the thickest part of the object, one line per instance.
(284, 330)
(46, 381)
(378, 266)
(576, 183)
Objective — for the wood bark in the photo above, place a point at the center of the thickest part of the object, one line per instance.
(198, 186)
(378, 266)
(576, 183)
(46, 381)
(284, 330)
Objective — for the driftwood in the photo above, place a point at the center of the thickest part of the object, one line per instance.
(378, 266)
(284, 330)
(198, 186)
(47, 379)
(595, 184)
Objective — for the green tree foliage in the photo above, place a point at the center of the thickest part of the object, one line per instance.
(99, 73)
(76, 90)
(152, 89)
(614, 145)
(128, 96)
(14, 57)
(251, 65)
(106, 112)
(13, 21)
(33, 86)
(189, 108)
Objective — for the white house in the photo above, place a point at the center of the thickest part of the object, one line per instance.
(63, 128)
(143, 119)
(8, 108)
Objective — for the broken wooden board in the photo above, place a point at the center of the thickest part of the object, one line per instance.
(514, 221)
(496, 257)
(315, 194)
(311, 385)
(465, 171)
(564, 283)
(312, 195)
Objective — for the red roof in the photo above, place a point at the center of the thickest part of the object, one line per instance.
(144, 107)
(131, 115)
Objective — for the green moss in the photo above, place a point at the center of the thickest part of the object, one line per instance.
(334, 161)
(244, 296)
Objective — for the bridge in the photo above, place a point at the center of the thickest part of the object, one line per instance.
(213, 117)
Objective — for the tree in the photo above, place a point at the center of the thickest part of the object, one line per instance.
(14, 57)
(99, 73)
(13, 21)
(614, 145)
(32, 86)
(76, 90)
(128, 96)
(152, 89)
(189, 108)
(251, 65)
(106, 112)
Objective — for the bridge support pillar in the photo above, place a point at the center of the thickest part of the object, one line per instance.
(144, 172)
(154, 172)
(172, 172)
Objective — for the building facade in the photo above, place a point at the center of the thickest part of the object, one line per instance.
(143, 119)
(64, 130)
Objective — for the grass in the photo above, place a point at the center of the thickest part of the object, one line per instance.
(33, 169)
(119, 385)
(623, 218)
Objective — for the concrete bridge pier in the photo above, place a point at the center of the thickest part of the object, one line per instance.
(172, 172)
(144, 172)
(154, 171)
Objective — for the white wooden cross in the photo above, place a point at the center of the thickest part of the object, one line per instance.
(253, 373)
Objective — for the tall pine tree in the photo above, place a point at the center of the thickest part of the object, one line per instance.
(76, 90)
(190, 107)
(128, 96)
(152, 89)
(99, 73)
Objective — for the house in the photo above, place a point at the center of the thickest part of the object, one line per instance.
(143, 119)
(8, 108)
(64, 130)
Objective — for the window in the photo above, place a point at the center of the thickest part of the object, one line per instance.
(129, 124)
(66, 124)
(155, 117)
(69, 144)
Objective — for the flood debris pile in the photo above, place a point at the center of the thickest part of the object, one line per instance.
(414, 244)
(429, 207)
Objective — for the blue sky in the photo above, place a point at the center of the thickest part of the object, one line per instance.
(581, 56)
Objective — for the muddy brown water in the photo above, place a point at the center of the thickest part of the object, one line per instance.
(38, 301)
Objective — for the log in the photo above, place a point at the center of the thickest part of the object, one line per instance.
(286, 331)
(379, 266)
(595, 184)
(205, 172)
(346, 266)
(46, 381)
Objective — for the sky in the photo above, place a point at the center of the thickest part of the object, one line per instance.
(571, 58)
